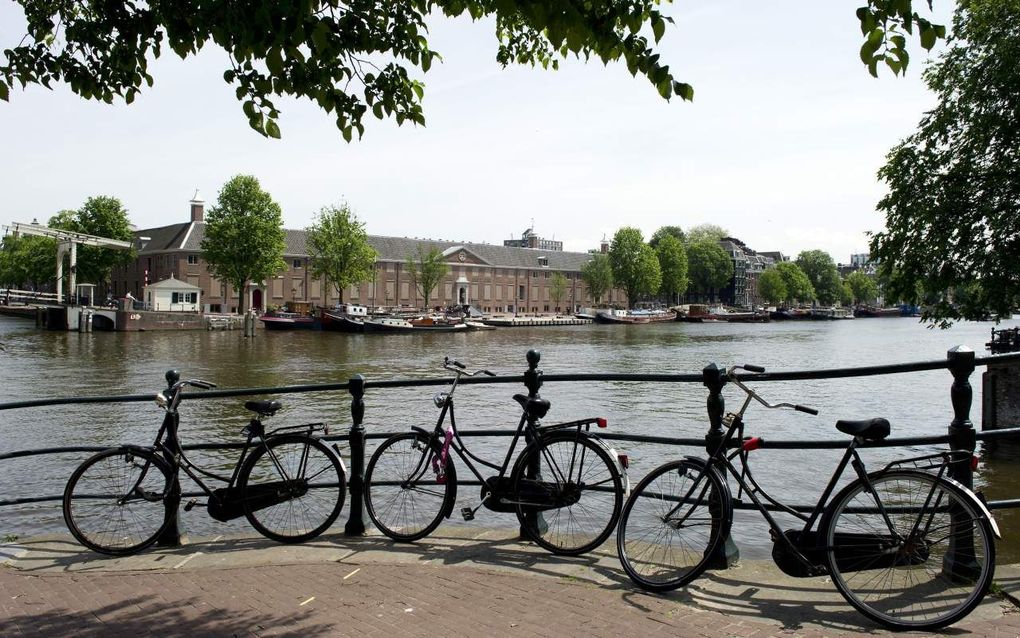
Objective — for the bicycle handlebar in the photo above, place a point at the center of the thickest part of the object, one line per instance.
(456, 366)
(731, 374)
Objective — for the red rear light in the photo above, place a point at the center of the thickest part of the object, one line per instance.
(752, 444)
(601, 422)
(974, 460)
(624, 460)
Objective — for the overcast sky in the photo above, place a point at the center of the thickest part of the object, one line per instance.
(780, 146)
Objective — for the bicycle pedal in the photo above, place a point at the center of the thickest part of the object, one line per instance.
(467, 513)
(190, 504)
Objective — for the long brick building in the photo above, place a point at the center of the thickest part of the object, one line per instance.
(490, 278)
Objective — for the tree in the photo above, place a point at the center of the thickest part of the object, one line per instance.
(821, 271)
(634, 264)
(862, 287)
(326, 51)
(705, 232)
(667, 231)
(28, 260)
(673, 262)
(771, 286)
(798, 286)
(709, 266)
(339, 249)
(557, 288)
(105, 217)
(953, 204)
(597, 275)
(244, 237)
(427, 271)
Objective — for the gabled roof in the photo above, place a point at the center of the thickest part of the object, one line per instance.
(173, 284)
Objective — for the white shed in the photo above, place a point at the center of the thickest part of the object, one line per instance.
(173, 294)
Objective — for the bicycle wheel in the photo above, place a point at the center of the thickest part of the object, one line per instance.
(404, 496)
(905, 576)
(573, 502)
(292, 488)
(119, 501)
(672, 524)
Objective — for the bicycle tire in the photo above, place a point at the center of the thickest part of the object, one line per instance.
(911, 588)
(97, 508)
(292, 488)
(659, 555)
(403, 495)
(589, 483)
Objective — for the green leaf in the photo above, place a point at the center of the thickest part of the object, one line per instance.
(894, 65)
(346, 132)
(658, 28)
(685, 91)
(4, 92)
(928, 38)
(273, 129)
(426, 62)
(274, 61)
(249, 109)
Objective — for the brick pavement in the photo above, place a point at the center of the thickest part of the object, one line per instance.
(448, 586)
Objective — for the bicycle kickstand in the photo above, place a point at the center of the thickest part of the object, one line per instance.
(469, 512)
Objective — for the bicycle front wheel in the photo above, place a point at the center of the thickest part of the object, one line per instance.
(405, 496)
(928, 567)
(672, 524)
(568, 492)
(292, 488)
(119, 501)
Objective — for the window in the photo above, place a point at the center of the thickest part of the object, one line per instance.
(534, 274)
(543, 262)
(183, 297)
(192, 260)
(520, 292)
(297, 264)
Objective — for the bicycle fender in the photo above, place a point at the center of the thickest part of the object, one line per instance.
(977, 503)
(451, 476)
(613, 454)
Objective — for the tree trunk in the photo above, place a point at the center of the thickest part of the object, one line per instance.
(242, 298)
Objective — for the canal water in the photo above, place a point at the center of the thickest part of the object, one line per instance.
(40, 364)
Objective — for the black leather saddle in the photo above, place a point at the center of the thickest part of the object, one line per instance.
(867, 429)
(535, 408)
(263, 408)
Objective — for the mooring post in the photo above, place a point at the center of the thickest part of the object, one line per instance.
(960, 561)
(714, 378)
(356, 522)
(533, 381)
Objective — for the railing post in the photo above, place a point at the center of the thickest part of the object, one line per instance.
(356, 522)
(171, 536)
(714, 378)
(533, 381)
(960, 561)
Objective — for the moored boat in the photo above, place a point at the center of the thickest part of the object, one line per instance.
(831, 314)
(397, 324)
(344, 318)
(633, 316)
(874, 311)
(288, 321)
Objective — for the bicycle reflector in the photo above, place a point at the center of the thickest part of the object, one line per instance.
(624, 460)
(601, 422)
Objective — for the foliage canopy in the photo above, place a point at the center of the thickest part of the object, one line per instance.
(673, 262)
(338, 248)
(953, 206)
(244, 236)
(821, 271)
(352, 58)
(634, 264)
(798, 286)
(709, 266)
(597, 275)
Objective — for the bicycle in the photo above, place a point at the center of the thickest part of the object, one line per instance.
(907, 546)
(286, 482)
(566, 486)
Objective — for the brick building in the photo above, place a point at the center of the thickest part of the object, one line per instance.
(491, 278)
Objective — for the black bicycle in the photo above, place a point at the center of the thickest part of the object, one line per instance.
(907, 546)
(566, 486)
(286, 482)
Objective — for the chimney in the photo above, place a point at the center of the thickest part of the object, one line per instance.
(197, 208)
(604, 247)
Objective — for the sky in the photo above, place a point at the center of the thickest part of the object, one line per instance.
(780, 147)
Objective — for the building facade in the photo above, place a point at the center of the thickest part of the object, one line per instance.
(491, 278)
(530, 240)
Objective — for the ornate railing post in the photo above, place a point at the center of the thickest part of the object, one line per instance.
(533, 381)
(171, 536)
(960, 560)
(714, 378)
(356, 522)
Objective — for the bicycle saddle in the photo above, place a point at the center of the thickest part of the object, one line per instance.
(263, 408)
(868, 429)
(535, 408)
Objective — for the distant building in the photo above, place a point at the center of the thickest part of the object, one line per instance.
(860, 260)
(491, 278)
(775, 256)
(530, 240)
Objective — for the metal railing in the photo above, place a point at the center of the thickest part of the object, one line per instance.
(960, 435)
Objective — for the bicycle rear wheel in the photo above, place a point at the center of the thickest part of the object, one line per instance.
(119, 501)
(403, 494)
(292, 488)
(573, 502)
(929, 570)
(672, 524)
